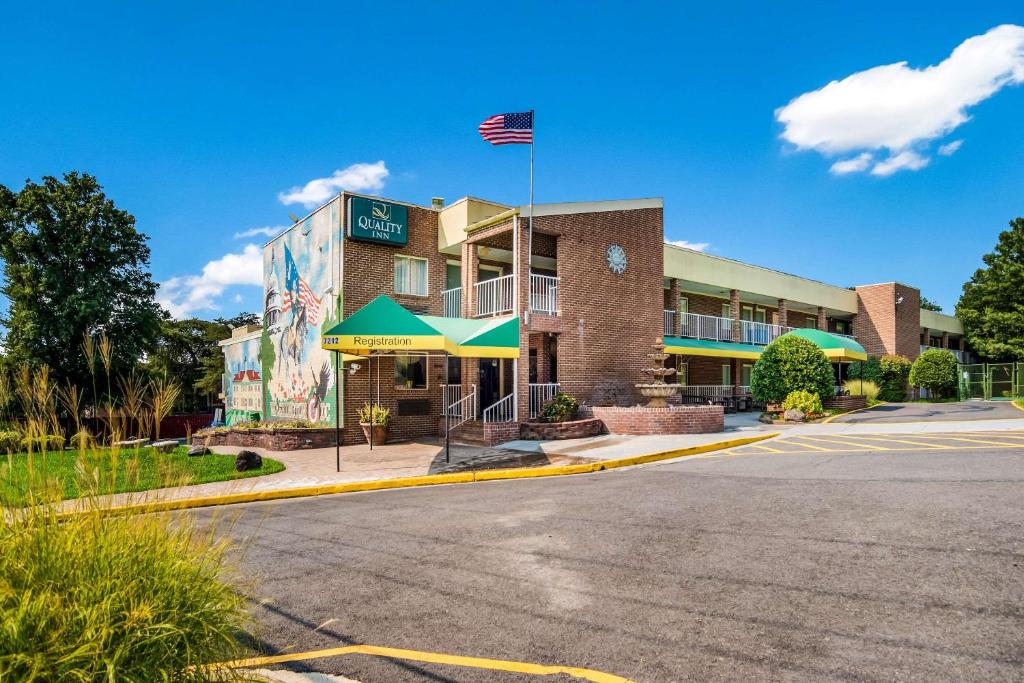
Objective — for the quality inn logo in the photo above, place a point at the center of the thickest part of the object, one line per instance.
(381, 211)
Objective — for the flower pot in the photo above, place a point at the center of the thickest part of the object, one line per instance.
(380, 432)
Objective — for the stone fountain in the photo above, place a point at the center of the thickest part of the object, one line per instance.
(657, 390)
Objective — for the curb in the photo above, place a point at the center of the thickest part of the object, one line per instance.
(851, 412)
(1013, 402)
(424, 480)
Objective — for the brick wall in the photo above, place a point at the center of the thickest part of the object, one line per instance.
(881, 326)
(671, 420)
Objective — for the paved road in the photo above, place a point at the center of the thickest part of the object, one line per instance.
(818, 562)
(934, 412)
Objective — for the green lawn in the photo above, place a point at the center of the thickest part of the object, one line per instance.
(1019, 403)
(68, 474)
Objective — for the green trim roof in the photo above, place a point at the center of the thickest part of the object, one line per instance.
(836, 347)
(706, 347)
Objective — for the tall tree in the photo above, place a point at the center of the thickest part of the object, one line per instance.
(929, 305)
(992, 304)
(74, 264)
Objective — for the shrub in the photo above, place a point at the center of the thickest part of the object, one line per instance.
(867, 388)
(790, 364)
(375, 414)
(560, 408)
(128, 597)
(895, 372)
(10, 442)
(935, 370)
(806, 402)
(49, 442)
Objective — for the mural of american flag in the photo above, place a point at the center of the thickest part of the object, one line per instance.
(293, 283)
(508, 129)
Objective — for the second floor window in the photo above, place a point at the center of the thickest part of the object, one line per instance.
(410, 275)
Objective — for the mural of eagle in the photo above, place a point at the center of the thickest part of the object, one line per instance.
(321, 384)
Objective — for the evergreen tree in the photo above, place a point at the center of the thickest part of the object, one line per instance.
(992, 304)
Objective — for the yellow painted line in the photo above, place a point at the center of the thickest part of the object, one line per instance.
(1017, 406)
(850, 412)
(425, 480)
(793, 440)
(907, 441)
(838, 440)
(764, 448)
(991, 443)
(528, 668)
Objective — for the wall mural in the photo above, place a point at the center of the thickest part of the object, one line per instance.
(298, 375)
(243, 390)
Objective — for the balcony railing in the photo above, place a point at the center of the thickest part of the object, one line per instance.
(713, 328)
(544, 294)
(539, 395)
(670, 323)
(760, 333)
(956, 352)
(702, 393)
(840, 334)
(452, 299)
(494, 297)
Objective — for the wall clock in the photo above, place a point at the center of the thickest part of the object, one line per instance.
(617, 259)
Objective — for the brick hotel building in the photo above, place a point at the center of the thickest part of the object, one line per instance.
(598, 289)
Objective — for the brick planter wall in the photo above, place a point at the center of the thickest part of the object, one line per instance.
(270, 439)
(845, 402)
(671, 420)
(547, 431)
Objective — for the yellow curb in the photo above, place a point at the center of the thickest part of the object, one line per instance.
(424, 480)
(850, 412)
(528, 668)
(1018, 407)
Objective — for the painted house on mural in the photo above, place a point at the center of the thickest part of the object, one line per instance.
(590, 290)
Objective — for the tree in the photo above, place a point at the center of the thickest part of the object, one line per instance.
(991, 307)
(791, 364)
(74, 265)
(889, 372)
(212, 364)
(935, 370)
(929, 305)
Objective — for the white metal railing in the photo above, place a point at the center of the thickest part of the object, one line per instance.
(452, 299)
(705, 392)
(712, 327)
(539, 395)
(494, 296)
(459, 408)
(840, 334)
(670, 323)
(744, 389)
(501, 411)
(544, 294)
(760, 333)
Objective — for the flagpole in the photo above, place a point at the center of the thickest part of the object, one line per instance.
(529, 233)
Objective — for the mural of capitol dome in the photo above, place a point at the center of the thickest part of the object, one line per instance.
(272, 302)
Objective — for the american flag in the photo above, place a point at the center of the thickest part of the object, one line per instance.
(296, 288)
(508, 129)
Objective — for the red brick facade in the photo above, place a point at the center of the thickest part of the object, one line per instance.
(888, 319)
(671, 420)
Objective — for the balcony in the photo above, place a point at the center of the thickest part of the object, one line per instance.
(452, 300)
(544, 294)
(710, 327)
(670, 323)
(494, 297)
(760, 333)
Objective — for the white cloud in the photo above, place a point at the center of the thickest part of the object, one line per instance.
(269, 231)
(909, 161)
(898, 108)
(357, 178)
(696, 246)
(950, 148)
(855, 165)
(185, 295)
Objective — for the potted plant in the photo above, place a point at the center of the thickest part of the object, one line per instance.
(377, 418)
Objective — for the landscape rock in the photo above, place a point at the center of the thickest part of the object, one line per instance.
(131, 443)
(198, 450)
(164, 446)
(248, 460)
(794, 415)
(766, 418)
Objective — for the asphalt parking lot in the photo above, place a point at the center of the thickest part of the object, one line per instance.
(839, 558)
(890, 413)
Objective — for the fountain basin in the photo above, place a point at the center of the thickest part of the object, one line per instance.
(657, 393)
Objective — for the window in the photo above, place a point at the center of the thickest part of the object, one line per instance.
(683, 373)
(410, 275)
(726, 375)
(727, 310)
(454, 375)
(410, 372)
(452, 275)
(684, 305)
(745, 374)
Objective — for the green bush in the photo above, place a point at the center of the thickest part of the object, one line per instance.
(935, 370)
(790, 364)
(867, 388)
(890, 373)
(806, 402)
(50, 442)
(10, 442)
(561, 408)
(375, 414)
(104, 598)
(895, 373)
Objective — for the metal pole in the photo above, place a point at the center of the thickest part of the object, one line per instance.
(369, 386)
(337, 410)
(447, 411)
(529, 230)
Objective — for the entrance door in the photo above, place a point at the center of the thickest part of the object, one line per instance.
(490, 383)
(452, 276)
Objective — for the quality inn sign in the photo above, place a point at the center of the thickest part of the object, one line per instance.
(370, 220)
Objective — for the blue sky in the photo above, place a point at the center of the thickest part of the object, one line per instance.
(199, 117)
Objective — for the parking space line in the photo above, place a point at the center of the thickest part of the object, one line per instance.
(907, 441)
(836, 439)
(765, 448)
(527, 668)
(792, 440)
(991, 443)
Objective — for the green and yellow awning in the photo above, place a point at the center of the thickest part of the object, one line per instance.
(839, 349)
(713, 349)
(383, 326)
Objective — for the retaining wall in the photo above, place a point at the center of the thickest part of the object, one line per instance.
(670, 420)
